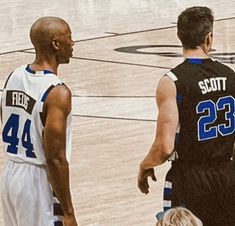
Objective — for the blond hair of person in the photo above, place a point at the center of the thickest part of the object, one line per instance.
(179, 216)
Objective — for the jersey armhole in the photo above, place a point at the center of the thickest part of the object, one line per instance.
(179, 96)
(43, 99)
(171, 75)
(7, 79)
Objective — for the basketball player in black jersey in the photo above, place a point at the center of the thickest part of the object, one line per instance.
(195, 127)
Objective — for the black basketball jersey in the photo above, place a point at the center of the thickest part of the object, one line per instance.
(206, 105)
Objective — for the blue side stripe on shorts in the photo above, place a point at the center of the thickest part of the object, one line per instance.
(58, 211)
(58, 223)
(167, 191)
(167, 204)
(166, 208)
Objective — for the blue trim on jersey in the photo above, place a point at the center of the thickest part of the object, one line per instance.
(45, 96)
(28, 69)
(194, 60)
(45, 72)
(177, 137)
(46, 93)
(179, 98)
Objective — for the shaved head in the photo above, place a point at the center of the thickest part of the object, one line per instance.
(52, 40)
(45, 30)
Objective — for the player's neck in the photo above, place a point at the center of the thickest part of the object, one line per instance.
(44, 63)
(195, 53)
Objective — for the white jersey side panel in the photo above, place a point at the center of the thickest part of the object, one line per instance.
(22, 104)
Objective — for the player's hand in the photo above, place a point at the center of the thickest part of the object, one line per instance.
(143, 179)
(70, 221)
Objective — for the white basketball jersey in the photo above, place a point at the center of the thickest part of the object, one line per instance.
(23, 97)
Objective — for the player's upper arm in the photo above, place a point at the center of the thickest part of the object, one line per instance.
(57, 107)
(168, 117)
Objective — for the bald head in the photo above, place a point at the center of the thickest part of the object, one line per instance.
(45, 30)
(52, 40)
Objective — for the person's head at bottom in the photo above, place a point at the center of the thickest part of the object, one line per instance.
(178, 216)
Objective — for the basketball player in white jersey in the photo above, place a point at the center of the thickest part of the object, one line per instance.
(36, 133)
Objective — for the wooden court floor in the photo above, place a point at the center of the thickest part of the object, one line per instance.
(122, 48)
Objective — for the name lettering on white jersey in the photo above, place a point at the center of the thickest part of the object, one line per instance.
(20, 99)
(212, 84)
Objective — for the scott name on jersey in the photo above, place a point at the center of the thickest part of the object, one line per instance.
(212, 84)
(21, 100)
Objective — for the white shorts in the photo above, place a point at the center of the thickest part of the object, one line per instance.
(27, 197)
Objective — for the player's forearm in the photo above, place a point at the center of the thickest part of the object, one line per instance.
(56, 163)
(58, 174)
(157, 155)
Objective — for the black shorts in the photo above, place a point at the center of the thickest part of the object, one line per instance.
(208, 191)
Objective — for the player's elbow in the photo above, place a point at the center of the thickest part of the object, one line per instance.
(55, 165)
(55, 152)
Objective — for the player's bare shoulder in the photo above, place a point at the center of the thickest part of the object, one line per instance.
(59, 97)
(166, 88)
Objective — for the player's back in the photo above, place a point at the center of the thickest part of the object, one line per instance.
(22, 113)
(206, 103)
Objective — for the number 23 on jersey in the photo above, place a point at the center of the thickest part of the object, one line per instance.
(207, 129)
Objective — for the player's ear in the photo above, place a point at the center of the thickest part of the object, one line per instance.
(178, 35)
(209, 39)
(55, 44)
(208, 42)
